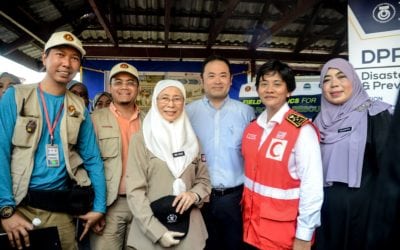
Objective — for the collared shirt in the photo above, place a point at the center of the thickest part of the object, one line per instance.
(305, 165)
(127, 128)
(43, 177)
(220, 133)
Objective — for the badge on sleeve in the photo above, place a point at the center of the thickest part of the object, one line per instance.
(52, 156)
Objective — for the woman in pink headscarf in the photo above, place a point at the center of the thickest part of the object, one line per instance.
(353, 132)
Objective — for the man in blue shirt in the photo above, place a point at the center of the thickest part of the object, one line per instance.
(45, 135)
(219, 122)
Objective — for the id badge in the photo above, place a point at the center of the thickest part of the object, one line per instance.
(52, 156)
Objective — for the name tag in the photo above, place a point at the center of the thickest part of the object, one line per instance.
(342, 130)
(52, 156)
(178, 154)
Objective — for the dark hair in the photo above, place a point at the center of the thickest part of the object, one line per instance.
(276, 66)
(215, 58)
(14, 78)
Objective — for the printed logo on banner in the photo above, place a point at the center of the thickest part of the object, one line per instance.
(384, 12)
(376, 15)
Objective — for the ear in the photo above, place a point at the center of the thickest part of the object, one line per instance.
(202, 82)
(44, 57)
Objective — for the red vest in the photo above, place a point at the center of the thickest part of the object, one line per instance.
(271, 195)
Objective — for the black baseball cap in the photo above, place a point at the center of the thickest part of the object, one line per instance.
(166, 214)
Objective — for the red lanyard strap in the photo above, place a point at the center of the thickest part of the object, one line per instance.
(49, 126)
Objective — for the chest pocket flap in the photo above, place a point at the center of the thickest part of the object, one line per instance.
(109, 142)
(25, 131)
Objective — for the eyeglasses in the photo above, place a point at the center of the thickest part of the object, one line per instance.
(120, 83)
(175, 100)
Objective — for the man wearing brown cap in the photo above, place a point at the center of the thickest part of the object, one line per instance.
(114, 127)
(48, 145)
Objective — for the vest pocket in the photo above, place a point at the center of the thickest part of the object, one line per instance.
(109, 147)
(25, 131)
(20, 162)
(278, 226)
(73, 125)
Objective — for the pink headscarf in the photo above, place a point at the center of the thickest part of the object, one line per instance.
(344, 129)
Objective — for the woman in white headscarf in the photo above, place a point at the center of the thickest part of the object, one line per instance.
(165, 159)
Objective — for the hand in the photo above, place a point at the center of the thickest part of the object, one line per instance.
(168, 239)
(99, 226)
(301, 244)
(15, 227)
(90, 218)
(183, 201)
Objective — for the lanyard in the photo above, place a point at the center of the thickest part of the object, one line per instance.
(49, 126)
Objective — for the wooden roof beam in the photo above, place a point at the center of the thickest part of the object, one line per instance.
(282, 6)
(302, 7)
(340, 7)
(217, 27)
(200, 53)
(338, 46)
(6, 49)
(307, 28)
(327, 31)
(264, 15)
(21, 22)
(27, 61)
(98, 10)
(66, 16)
(167, 21)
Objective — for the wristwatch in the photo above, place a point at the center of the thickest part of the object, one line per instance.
(6, 212)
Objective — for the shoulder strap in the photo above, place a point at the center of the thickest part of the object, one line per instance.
(296, 119)
(23, 100)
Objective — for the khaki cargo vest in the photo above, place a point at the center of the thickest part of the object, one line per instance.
(25, 139)
(110, 143)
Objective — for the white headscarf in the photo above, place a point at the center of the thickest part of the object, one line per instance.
(164, 138)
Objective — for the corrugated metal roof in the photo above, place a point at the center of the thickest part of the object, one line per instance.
(299, 26)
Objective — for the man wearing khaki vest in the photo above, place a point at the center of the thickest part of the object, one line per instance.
(114, 127)
(47, 144)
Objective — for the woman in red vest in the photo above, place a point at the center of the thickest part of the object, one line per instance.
(283, 191)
